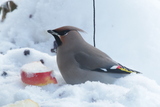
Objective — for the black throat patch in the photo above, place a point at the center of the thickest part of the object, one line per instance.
(58, 40)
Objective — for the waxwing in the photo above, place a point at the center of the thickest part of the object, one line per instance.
(79, 61)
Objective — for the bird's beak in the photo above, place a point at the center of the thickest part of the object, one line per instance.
(52, 32)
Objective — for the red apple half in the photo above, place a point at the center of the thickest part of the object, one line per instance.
(36, 73)
(23, 103)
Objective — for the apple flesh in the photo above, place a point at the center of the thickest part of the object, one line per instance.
(23, 103)
(37, 74)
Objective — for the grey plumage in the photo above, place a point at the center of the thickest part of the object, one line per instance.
(79, 61)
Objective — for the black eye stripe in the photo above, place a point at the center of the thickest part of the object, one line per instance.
(64, 32)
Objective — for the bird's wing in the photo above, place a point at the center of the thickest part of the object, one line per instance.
(93, 61)
(100, 64)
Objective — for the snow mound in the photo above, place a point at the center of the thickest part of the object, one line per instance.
(35, 67)
(126, 92)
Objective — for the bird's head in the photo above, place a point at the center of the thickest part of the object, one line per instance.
(60, 33)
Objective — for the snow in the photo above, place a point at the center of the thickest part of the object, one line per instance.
(35, 67)
(128, 31)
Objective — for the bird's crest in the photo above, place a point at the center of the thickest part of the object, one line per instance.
(69, 28)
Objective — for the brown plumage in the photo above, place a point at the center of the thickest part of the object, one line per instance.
(79, 61)
(71, 28)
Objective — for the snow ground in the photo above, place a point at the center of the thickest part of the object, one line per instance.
(129, 29)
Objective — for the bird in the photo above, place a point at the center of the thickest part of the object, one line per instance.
(79, 61)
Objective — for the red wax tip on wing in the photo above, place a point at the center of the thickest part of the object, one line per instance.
(118, 67)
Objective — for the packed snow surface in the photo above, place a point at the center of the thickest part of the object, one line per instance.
(128, 31)
(35, 67)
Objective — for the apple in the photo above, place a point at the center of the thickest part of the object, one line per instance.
(23, 103)
(36, 73)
